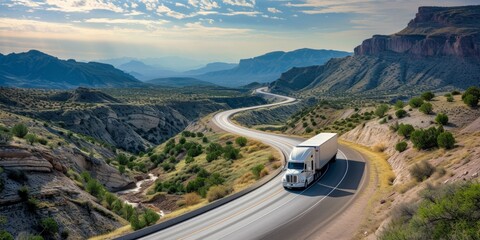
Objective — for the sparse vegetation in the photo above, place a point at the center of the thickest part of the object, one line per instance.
(49, 226)
(415, 102)
(31, 138)
(401, 146)
(257, 169)
(471, 96)
(427, 96)
(20, 130)
(441, 119)
(381, 110)
(446, 140)
(426, 108)
(23, 193)
(425, 138)
(241, 141)
(421, 171)
(401, 113)
(217, 192)
(405, 130)
(446, 211)
(399, 105)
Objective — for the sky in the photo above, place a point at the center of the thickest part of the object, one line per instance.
(210, 30)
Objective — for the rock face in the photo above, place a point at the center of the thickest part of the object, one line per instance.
(439, 50)
(435, 31)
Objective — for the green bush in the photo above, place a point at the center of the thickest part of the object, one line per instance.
(49, 226)
(399, 105)
(31, 138)
(405, 130)
(415, 102)
(241, 141)
(200, 134)
(471, 96)
(20, 130)
(257, 169)
(205, 140)
(42, 141)
(150, 217)
(444, 212)
(455, 92)
(122, 159)
(4, 235)
(381, 110)
(426, 108)
(401, 146)
(189, 159)
(136, 223)
(401, 113)
(182, 140)
(441, 119)
(94, 187)
(421, 171)
(427, 96)
(450, 99)
(425, 139)
(231, 153)
(446, 140)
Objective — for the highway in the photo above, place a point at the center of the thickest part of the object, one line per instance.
(271, 212)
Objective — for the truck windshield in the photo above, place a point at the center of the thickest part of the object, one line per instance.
(294, 165)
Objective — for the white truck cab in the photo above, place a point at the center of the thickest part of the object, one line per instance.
(308, 158)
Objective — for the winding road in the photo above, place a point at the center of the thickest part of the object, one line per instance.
(270, 211)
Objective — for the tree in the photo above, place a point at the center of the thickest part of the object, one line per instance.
(426, 108)
(241, 141)
(231, 153)
(150, 217)
(415, 102)
(182, 140)
(425, 139)
(381, 110)
(401, 113)
(399, 105)
(446, 140)
(401, 146)
(471, 100)
(427, 96)
(20, 130)
(441, 119)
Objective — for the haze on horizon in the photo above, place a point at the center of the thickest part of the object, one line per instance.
(210, 30)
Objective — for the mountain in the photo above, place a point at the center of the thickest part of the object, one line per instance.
(145, 72)
(438, 50)
(268, 67)
(35, 69)
(211, 67)
(179, 82)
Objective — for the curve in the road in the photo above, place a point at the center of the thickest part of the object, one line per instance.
(271, 212)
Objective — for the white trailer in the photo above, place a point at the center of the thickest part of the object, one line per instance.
(308, 158)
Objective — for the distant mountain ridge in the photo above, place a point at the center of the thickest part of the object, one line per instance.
(145, 72)
(34, 69)
(438, 50)
(179, 82)
(211, 67)
(268, 67)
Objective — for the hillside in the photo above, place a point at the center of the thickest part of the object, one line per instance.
(179, 82)
(438, 50)
(145, 72)
(35, 69)
(211, 67)
(268, 67)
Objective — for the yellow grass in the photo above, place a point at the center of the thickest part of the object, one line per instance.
(117, 233)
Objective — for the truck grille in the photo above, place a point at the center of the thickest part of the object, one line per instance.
(292, 178)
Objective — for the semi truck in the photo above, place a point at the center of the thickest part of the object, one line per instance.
(307, 160)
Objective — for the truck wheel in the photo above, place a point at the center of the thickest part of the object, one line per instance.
(305, 185)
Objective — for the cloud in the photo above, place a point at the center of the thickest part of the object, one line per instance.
(81, 6)
(273, 10)
(27, 3)
(150, 5)
(204, 4)
(125, 21)
(177, 4)
(134, 13)
(242, 3)
(244, 13)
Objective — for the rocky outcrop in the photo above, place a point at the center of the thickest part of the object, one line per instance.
(435, 31)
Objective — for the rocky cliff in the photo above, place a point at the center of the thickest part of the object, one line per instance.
(439, 50)
(435, 31)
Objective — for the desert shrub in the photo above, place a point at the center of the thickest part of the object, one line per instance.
(205, 140)
(308, 130)
(381, 110)
(446, 140)
(425, 138)
(191, 198)
(450, 99)
(415, 102)
(4, 235)
(20, 130)
(444, 212)
(217, 192)
(264, 173)
(231, 153)
(182, 140)
(471, 96)
(379, 147)
(5, 137)
(401, 113)
(94, 187)
(150, 217)
(421, 171)
(136, 223)
(23, 192)
(257, 169)
(426, 108)
(30, 138)
(32, 204)
(401, 146)
(427, 96)
(189, 159)
(49, 226)
(455, 92)
(441, 119)
(405, 130)
(399, 105)
(167, 166)
(122, 159)
(200, 134)
(42, 141)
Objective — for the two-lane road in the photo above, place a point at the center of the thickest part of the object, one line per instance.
(271, 212)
